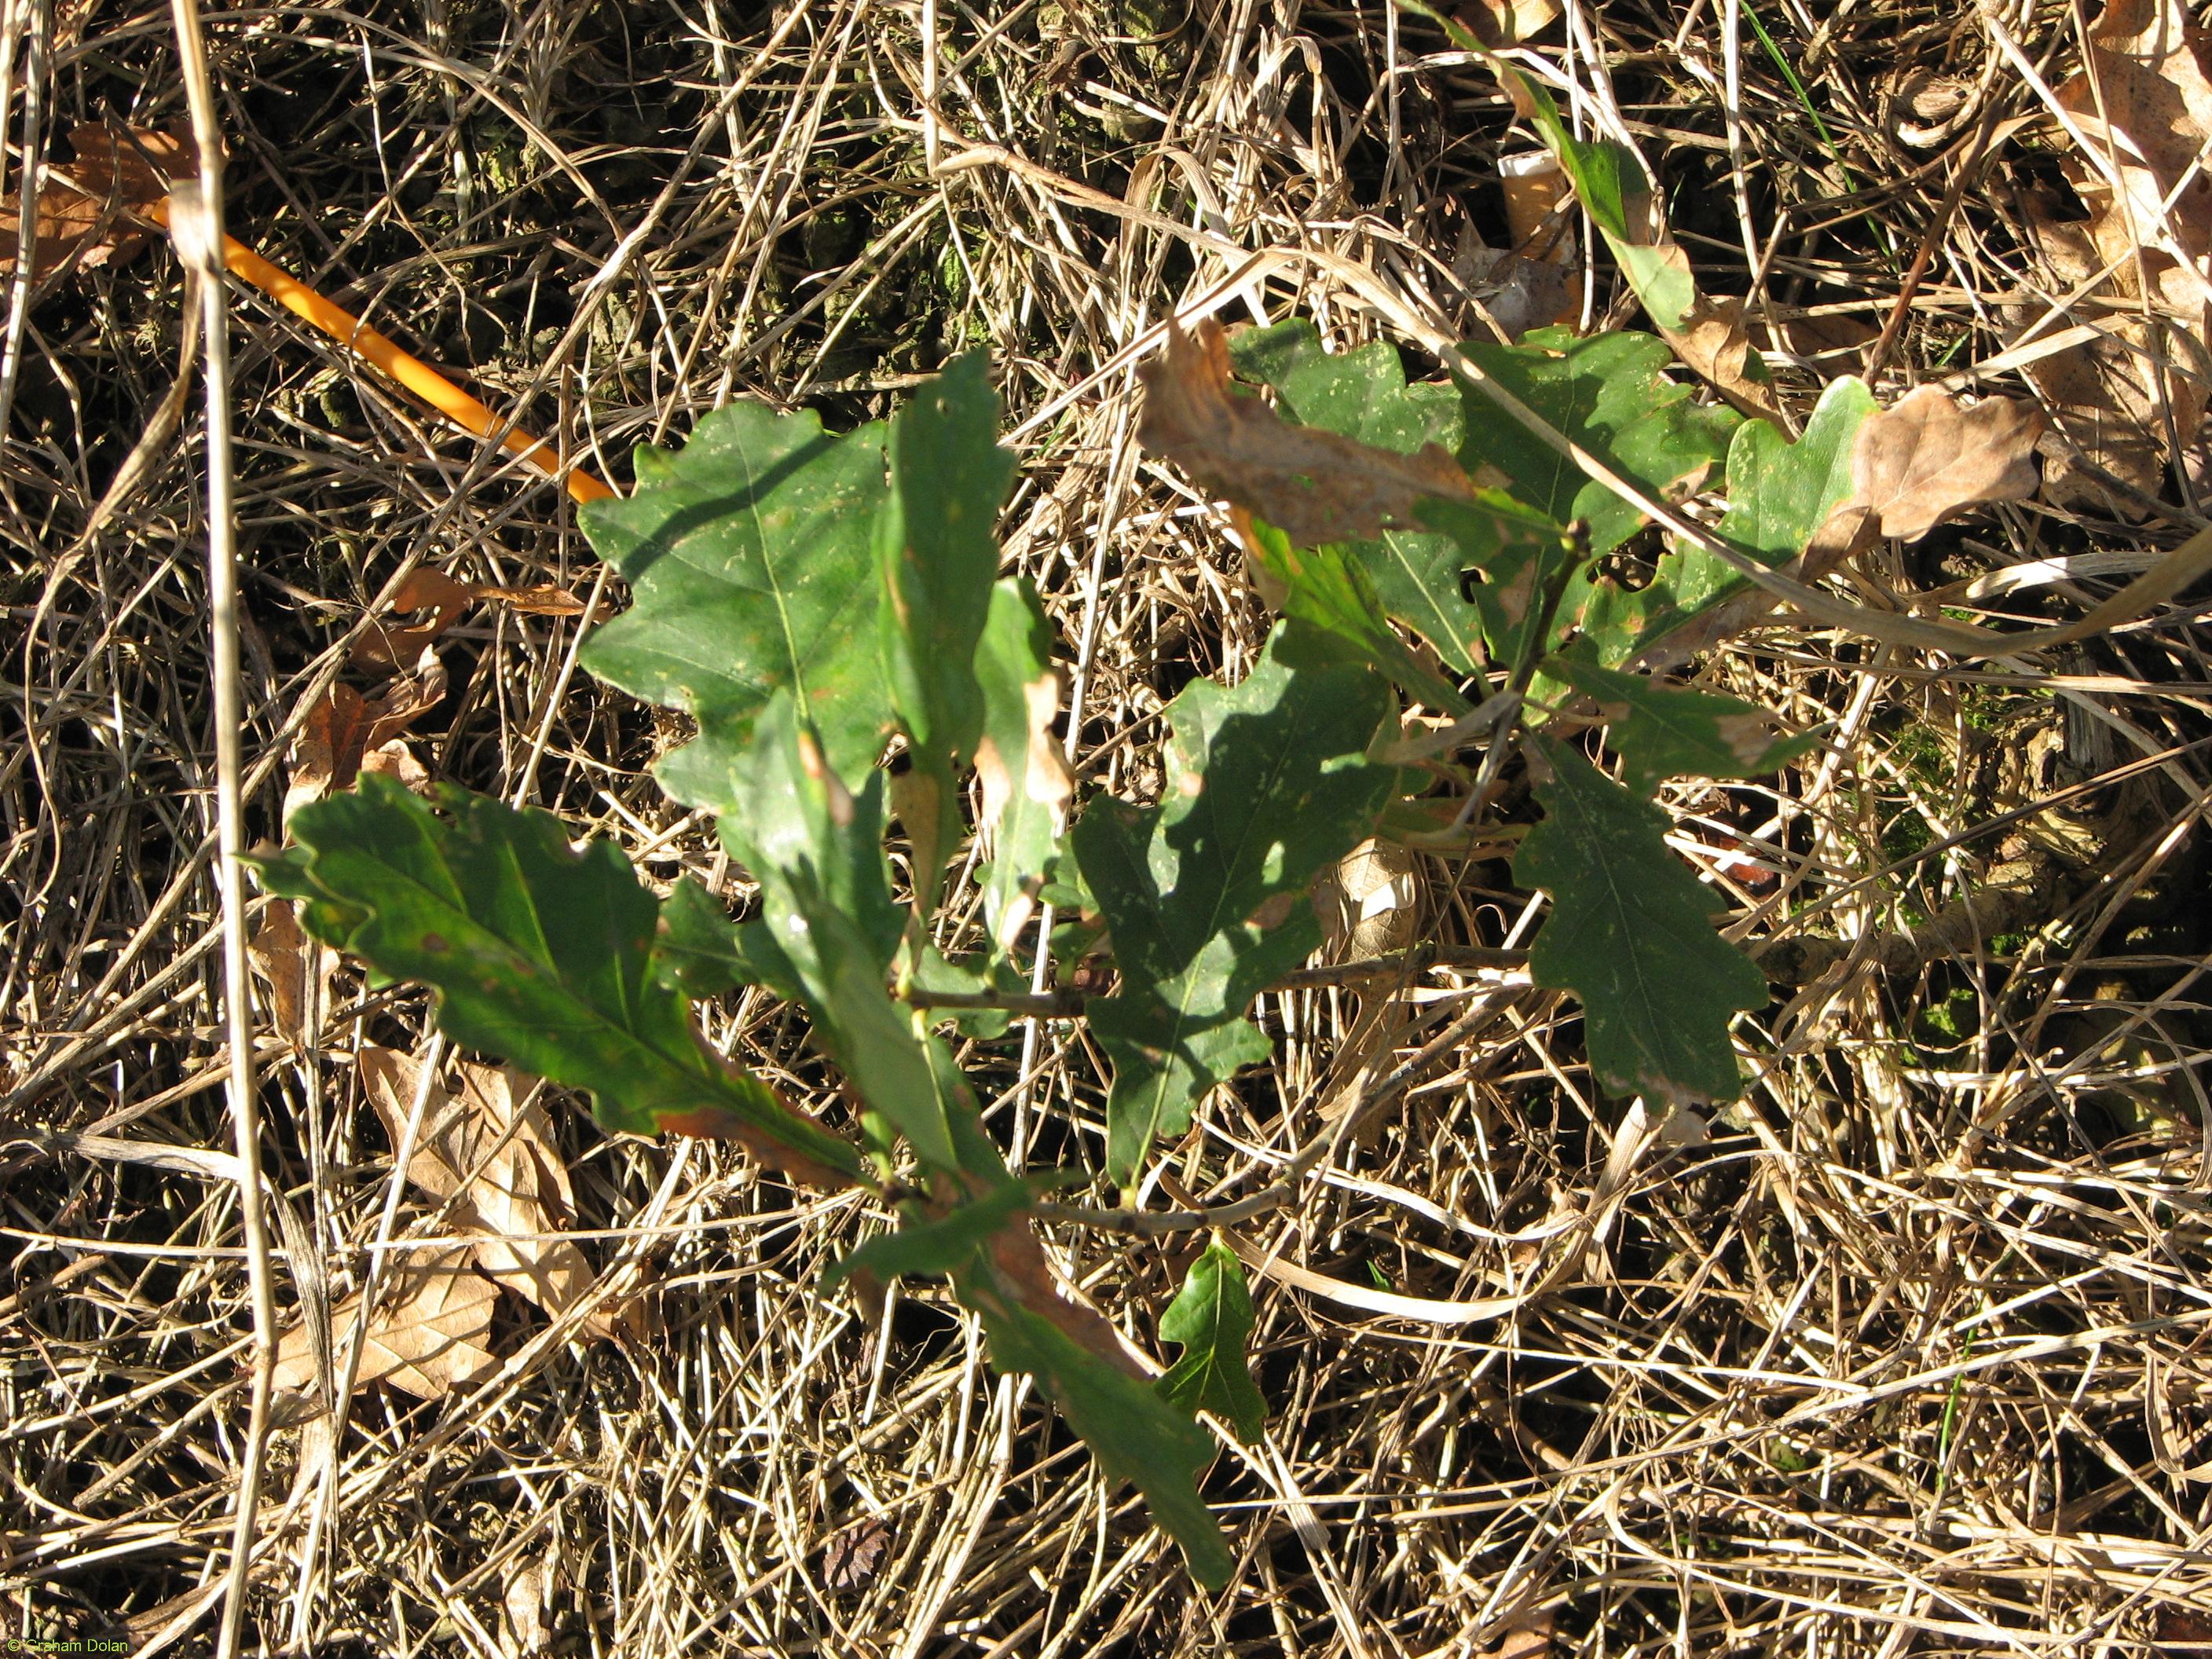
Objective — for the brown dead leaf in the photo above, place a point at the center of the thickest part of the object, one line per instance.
(492, 1161)
(855, 1554)
(447, 599)
(1499, 24)
(1314, 486)
(84, 207)
(388, 644)
(543, 599)
(1529, 1638)
(1368, 901)
(430, 1332)
(1924, 458)
(1713, 341)
(2145, 102)
(284, 958)
(344, 729)
(396, 760)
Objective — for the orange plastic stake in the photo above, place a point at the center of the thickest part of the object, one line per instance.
(411, 372)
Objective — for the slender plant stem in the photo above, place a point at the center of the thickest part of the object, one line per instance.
(199, 238)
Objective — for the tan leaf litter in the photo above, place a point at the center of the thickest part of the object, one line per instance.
(83, 207)
(346, 733)
(430, 1334)
(286, 961)
(489, 1157)
(1499, 24)
(1926, 458)
(386, 644)
(2144, 105)
(1314, 486)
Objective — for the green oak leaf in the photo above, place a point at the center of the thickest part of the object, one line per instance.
(1779, 495)
(1779, 492)
(1211, 1318)
(1631, 934)
(1415, 574)
(539, 955)
(703, 953)
(1609, 393)
(1329, 596)
(1135, 1435)
(937, 554)
(816, 851)
(1026, 785)
(1266, 784)
(1613, 191)
(1672, 732)
(941, 1245)
(751, 559)
(999, 1271)
(932, 970)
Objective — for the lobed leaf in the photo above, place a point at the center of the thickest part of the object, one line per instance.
(1416, 574)
(1671, 731)
(539, 955)
(1610, 394)
(1338, 616)
(1631, 934)
(1267, 784)
(751, 558)
(1924, 458)
(1318, 485)
(936, 555)
(1211, 1319)
(816, 851)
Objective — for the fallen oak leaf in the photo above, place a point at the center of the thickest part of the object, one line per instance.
(344, 729)
(287, 961)
(1501, 24)
(429, 1333)
(83, 210)
(542, 599)
(1315, 486)
(424, 588)
(2143, 101)
(1925, 458)
(490, 1157)
(447, 600)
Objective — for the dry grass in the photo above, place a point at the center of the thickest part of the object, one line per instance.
(1907, 1358)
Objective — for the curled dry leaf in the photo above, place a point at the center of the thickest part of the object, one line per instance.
(430, 1332)
(83, 210)
(2145, 101)
(1314, 486)
(346, 734)
(490, 1156)
(1713, 341)
(388, 644)
(1499, 24)
(1925, 458)
(447, 598)
(286, 961)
